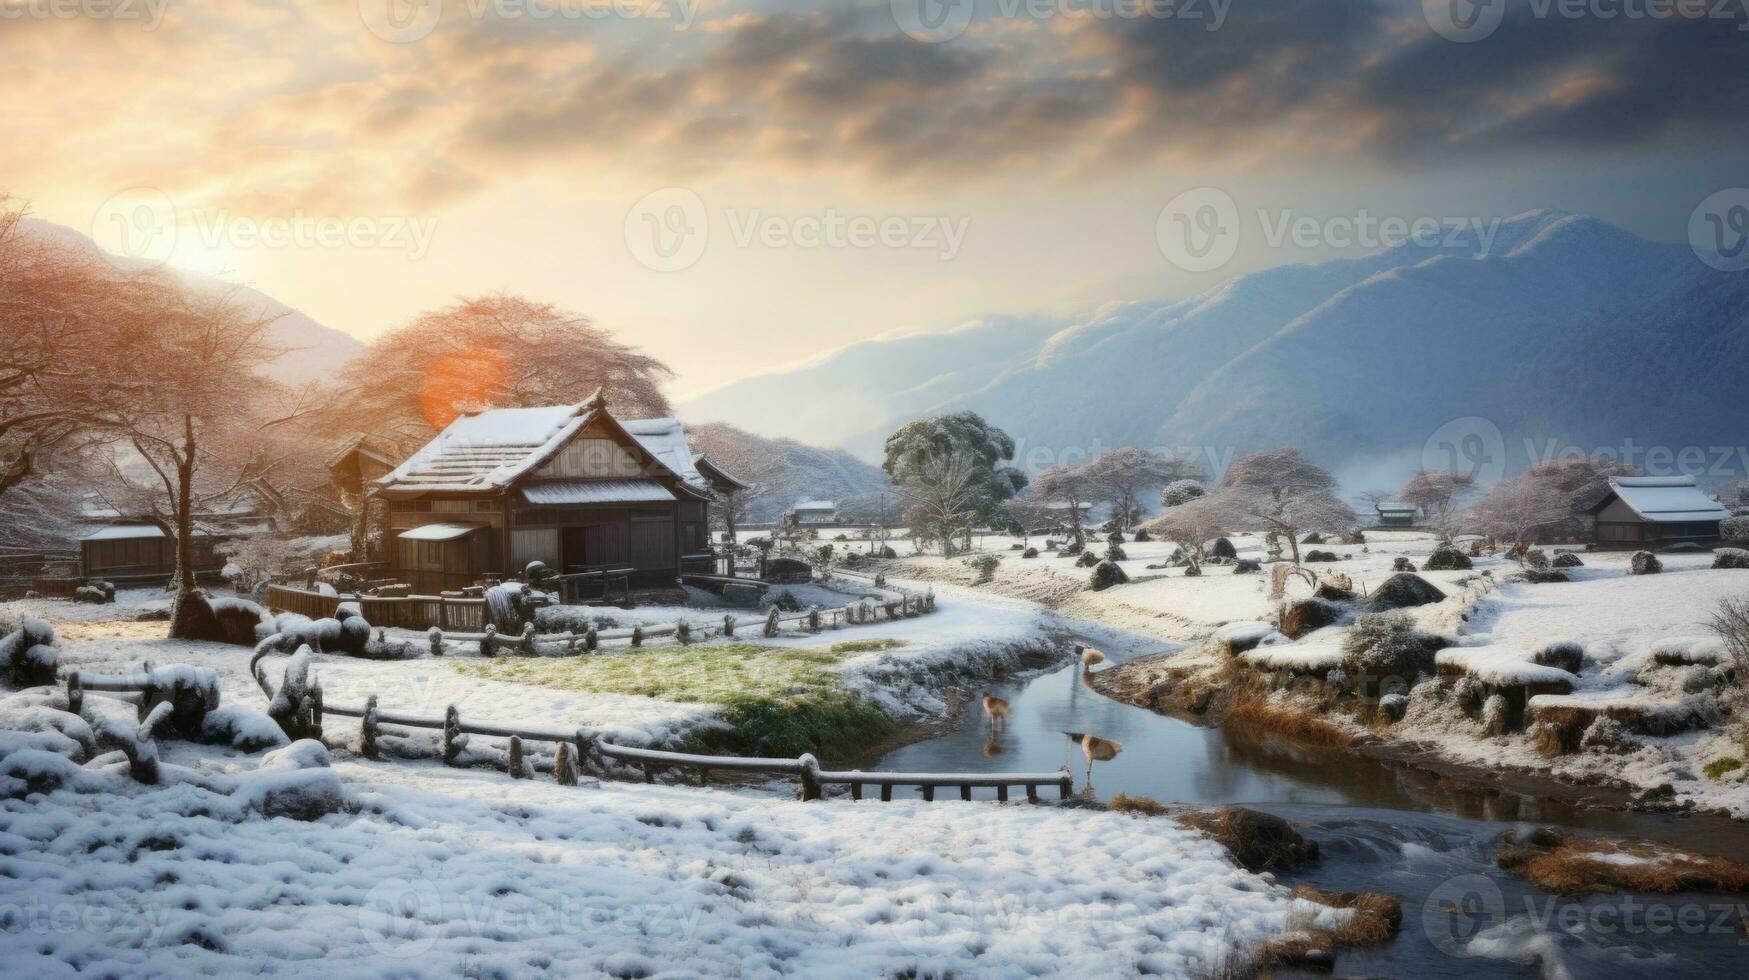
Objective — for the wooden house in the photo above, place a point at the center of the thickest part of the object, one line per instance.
(812, 513)
(1396, 513)
(1649, 512)
(567, 485)
(133, 549)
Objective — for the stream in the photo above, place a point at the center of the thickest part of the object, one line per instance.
(1380, 827)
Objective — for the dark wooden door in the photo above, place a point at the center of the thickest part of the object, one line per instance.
(574, 548)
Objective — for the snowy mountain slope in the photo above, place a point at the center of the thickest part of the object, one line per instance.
(801, 471)
(1563, 327)
(311, 351)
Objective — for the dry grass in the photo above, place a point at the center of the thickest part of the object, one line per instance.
(1256, 713)
(1258, 841)
(1124, 803)
(1377, 918)
(1585, 867)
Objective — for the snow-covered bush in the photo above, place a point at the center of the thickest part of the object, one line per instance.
(1644, 563)
(261, 558)
(1223, 548)
(1313, 538)
(1105, 575)
(1735, 530)
(985, 566)
(1467, 692)
(1446, 558)
(1394, 705)
(1605, 734)
(1115, 552)
(1181, 492)
(1566, 559)
(241, 728)
(1319, 556)
(1544, 576)
(1402, 591)
(1495, 715)
(1565, 654)
(347, 632)
(1384, 645)
(1029, 553)
(1142, 536)
(1247, 566)
(1731, 558)
(1085, 559)
(28, 655)
(1535, 558)
(1402, 564)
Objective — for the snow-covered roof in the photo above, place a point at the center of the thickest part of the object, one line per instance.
(439, 532)
(124, 532)
(815, 505)
(1396, 506)
(665, 439)
(558, 492)
(1666, 499)
(491, 450)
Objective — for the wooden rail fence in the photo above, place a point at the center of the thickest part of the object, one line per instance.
(578, 749)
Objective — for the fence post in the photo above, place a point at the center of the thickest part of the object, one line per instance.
(771, 622)
(683, 632)
(367, 729)
(527, 641)
(814, 619)
(516, 770)
(316, 712)
(1065, 785)
(453, 739)
(728, 624)
(75, 693)
(810, 777)
(638, 635)
(487, 639)
(435, 637)
(564, 767)
(591, 639)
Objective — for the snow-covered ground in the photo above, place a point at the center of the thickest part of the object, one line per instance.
(1620, 621)
(447, 872)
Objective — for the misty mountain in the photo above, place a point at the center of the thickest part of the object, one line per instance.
(1565, 331)
(309, 350)
(794, 471)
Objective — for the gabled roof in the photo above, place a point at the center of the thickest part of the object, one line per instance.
(718, 476)
(487, 452)
(124, 532)
(1663, 499)
(1396, 506)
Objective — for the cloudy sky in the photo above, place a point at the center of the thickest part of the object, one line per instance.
(739, 185)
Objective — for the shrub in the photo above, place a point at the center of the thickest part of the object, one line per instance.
(1313, 538)
(1223, 548)
(1143, 537)
(1605, 734)
(1566, 559)
(1192, 572)
(1403, 590)
(1644, 563)
(1564, 654)
(1395, 706)
(28, 654)
(1735, 530)
(1540, 576)
(1356, 536)
(1307, 615)
(1181, 492)
(1107, 574)
(1535, 558)
(1403, 564)
(1385, 645)
(1319, 556)
(1717, 768)
(1495, 714)
(1086, 559)
(1029, 553)
(1446, 558)
(1115, 552)
(985, 566)
(1247, 566)
(1731, 558)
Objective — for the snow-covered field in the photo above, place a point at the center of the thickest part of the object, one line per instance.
(434, 871)
(1622, 622)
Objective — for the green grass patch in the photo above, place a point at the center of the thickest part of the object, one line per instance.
(1717, 768)
(778, 700)
(865, 646)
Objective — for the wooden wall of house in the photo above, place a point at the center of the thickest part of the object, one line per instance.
(123, 557)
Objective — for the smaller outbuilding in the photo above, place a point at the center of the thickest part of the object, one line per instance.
(1650, 512)
(1397, 513)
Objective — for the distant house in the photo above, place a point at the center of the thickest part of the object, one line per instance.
(1396, 513)
(131, 549)
(816, 512)
(568, 485)
(1653, 511)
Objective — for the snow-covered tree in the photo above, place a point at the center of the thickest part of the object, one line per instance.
(1515, 509)
(1438, 494)
(1280, 490)
(923, 454)
(1121, 475)
(1071, 486)
(1191, 525)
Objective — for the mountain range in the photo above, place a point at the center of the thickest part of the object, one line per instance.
(1564, 331)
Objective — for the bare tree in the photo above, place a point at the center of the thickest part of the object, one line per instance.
(942, 496)
(1731, 623)
(1438, 493)
(1071, 486)
(491, 352)
(1517, 508)
(194, 436)
(1191, 525)
(1280, 490)
(1121, 475)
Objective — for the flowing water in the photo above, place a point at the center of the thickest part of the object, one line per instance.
(1381, 827)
